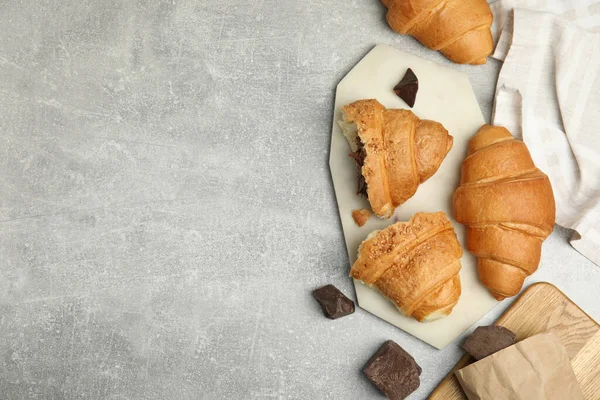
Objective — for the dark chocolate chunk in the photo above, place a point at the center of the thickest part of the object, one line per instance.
(407, 88)
(393, 371)
(333, 302)
(486, 340)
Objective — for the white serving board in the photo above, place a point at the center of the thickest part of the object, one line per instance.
(445, 95)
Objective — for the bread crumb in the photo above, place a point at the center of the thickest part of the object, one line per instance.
(361, 216)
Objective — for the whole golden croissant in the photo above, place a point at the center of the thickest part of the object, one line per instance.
(508, 207)
(415, 264)
(459, 29)
(395, 151)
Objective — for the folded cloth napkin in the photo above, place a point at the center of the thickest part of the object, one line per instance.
(584, 13)
(548, 93)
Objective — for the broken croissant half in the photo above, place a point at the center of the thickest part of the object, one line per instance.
(395, 151)
(414, 264)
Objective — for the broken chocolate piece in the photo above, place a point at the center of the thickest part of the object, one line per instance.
(407, 88)
(486, 340)
(393, 371)
(333, 302)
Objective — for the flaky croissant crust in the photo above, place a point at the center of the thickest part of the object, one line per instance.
(508, 207)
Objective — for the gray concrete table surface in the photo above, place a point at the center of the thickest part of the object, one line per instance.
(166, 205)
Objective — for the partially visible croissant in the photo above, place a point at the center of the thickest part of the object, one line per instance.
(415, 264)
(508, 207)
(459, 29)
(395, 151)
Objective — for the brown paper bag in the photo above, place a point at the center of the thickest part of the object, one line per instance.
(533, 369)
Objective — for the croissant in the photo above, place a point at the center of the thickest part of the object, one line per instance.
(508, 207)
(415, 264)
(459, 29)
(395, 152)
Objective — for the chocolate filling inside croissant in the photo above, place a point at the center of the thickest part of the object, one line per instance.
(359, 157)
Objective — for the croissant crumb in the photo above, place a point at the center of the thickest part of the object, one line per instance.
(361, 216)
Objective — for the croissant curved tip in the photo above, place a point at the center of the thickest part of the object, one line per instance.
(486, 136)
(449, 144)
(498, 296)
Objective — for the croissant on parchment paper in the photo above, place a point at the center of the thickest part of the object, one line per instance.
(415, 264)
(508, 207)
(395, 151)
(459, 29)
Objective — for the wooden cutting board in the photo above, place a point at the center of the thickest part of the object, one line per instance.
(543, 307)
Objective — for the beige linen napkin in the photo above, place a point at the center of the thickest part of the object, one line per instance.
(584, 13)
(548, 94)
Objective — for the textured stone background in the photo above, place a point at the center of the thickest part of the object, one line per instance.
(166, 205)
